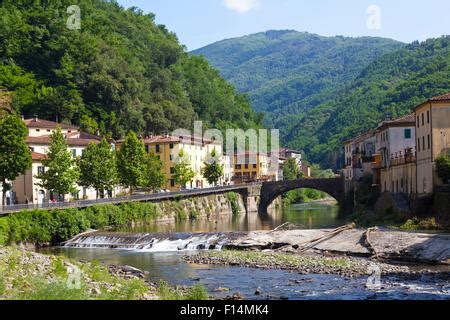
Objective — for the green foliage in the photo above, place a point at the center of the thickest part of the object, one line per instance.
(98, 167)
(183, 172)
(132, 162)
(212, 170)
(443, 168)
(166, 292)
(416, 224)
(321, 91)
(233, 198)
(120, 72)
(61, 172)
(291, 170)
(15, 156)
(154, 174)
(55, 226)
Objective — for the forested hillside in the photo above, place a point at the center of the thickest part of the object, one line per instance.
(389, 87)
(287, 72)
(321, 91)
(120, 71)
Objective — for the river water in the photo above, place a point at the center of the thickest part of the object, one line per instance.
(274, 284)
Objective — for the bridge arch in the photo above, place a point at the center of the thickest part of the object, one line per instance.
(272, 190)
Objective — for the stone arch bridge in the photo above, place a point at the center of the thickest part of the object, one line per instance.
(272, 190)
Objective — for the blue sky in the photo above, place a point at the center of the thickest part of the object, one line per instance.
(201, 22)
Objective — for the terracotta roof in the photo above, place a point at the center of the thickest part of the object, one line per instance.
(39, 123)
(172, 139)
(443, 97)
(37, 156)
(70, 141)
(406, 121)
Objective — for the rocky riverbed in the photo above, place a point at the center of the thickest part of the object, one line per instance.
(315, 264)
(27, 275)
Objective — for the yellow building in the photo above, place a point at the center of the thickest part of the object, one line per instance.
(251, 167)
(197, 150)
(433, 140)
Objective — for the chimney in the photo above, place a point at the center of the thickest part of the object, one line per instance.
(36, 118)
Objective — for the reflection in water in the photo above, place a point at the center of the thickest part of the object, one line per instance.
(306, 216)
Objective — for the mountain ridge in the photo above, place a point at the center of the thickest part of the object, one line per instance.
(343, 89)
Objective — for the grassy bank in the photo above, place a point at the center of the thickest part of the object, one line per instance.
(28, 275)
(55, 226)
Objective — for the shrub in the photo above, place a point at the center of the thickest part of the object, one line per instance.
(4, 231)
(234, 202)
(443, 168)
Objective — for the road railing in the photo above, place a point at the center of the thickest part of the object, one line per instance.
(123, 199)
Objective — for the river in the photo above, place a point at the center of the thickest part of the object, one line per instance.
(274, 284)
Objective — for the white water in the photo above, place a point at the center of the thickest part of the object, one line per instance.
(151, 242)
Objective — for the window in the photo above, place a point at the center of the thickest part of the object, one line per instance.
(246, 166)
(147, 150)
(418, 144)
(423, 143)
(75, 196)
(41, 170)
(418, 122)
(429, 142)
(171, 157)
(408, 134)
(423, 119)
(254, 166)
(158, 148)
(172, 183)
(428, 116)
(172, 170)
(74, 153)
(171, 146)
(238, 167)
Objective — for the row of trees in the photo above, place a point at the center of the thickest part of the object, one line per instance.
(100, 167)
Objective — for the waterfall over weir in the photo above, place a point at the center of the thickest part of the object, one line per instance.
(151, 242)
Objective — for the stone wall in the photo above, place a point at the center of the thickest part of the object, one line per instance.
(441, 205)
(203, 207)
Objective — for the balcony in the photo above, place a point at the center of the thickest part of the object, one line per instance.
(409, 156)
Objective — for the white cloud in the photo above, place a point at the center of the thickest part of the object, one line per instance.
(241, 6)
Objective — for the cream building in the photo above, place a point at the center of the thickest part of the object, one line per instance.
(396, 147)
(432, 120)
(25, 188)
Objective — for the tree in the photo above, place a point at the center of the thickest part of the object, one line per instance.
(98, 168)
(154, 175)
(183, 172)
(291, 170)
(61, 173)
(212, 170)
(15, 156)
(443, 168)
(132, 162)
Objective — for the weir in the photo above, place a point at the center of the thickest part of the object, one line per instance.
(156, 242)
